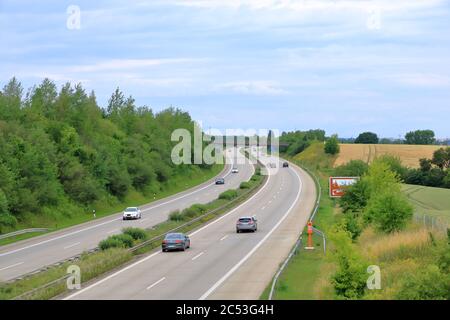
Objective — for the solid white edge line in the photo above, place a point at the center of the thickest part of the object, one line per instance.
(110, 221)
(11, 266)
(235, 267)
(156, 253)
(156, 283)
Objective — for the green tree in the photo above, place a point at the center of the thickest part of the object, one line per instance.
(441, 158)
(332, 145)
(353, 168)
(389, 211)
(355, 198)
(423, 137)
(349, 281)
(367, 137)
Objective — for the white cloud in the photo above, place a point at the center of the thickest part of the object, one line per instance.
(126, 64)
(253, 87)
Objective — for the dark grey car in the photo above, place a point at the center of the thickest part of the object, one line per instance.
(247, 224)
(175, 241)
(220, 181)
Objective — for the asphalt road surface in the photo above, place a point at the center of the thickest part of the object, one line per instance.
(217, 251)
(29, 255)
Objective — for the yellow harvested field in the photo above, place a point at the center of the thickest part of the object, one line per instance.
(408, 154)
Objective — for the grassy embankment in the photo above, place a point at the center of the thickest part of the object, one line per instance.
(95, 264)
(58, 222)
(401, 256)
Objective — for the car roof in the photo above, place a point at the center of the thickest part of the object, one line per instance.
(246, 218)
(132, 208)
(175, 234)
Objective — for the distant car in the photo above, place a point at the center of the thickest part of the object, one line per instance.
(235, 170)
(285, 165)
(246, 224)
(175, 241)
(220, 181)
(132, 213)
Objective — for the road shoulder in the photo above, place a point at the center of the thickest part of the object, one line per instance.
(250, 280)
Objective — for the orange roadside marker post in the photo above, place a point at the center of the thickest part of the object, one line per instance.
(310, 233)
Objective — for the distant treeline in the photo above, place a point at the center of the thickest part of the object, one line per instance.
(417, 137)
(60, 152)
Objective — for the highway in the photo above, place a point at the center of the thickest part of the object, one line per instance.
(217, 252)
(29, 255)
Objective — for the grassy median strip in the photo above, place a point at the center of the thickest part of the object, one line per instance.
(132, 243)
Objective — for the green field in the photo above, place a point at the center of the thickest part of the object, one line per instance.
(429, 201)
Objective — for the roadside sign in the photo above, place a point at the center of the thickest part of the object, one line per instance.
(339, 184)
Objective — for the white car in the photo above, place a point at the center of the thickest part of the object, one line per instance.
(132, 213)
(235, 170)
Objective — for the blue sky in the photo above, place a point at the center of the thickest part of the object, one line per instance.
(342, 65)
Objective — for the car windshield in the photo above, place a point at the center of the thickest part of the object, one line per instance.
(131, 209)
(245, 220)
(175, 236)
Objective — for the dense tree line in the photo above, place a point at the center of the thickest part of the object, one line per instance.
(60, 152)
(433, 172)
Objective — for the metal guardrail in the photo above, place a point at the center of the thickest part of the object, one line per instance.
(299, 241)
(277, 275)
(145, 243)
(17, 233)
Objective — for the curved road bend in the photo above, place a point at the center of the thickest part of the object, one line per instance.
(217, 252)
(29, 255)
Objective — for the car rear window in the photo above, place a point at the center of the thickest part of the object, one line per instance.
(174, 236)
(244, 220)
(131, 209)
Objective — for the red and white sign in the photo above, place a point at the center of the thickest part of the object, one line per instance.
(339, 184)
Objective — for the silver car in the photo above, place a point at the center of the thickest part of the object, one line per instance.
(175, 241)
(132, 213)
(247, 224)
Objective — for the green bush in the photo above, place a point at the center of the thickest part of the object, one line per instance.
(110, 243)
(332, 145)
(176, 216)
(430, 284)
(353, 168)
(135, 233)
(245, 185)
(389, 211)
(355, 197)
(350, 280)
(352, 224)
(200, 208)
(228, 195)
(117, 241)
